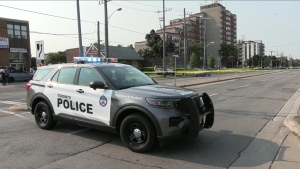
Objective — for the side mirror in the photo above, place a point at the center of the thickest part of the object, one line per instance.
(97, 85)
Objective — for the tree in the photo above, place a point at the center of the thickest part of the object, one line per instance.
(147, 55)
(170, 47)
(197, 48)
(193, 60)
(154, 42)
(172, 62)
(33, 62)
(228, 54)
(246, 63)
(211, 61)
(57, 57)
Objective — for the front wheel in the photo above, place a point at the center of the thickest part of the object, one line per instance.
(137, 133)
(43, 116)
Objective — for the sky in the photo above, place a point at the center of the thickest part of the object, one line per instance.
(276, 23)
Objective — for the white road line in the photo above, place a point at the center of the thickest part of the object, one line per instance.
(79, 131)
(214, 94)
(265, 80)
(245, 85)
(10, 102)
(13, 113)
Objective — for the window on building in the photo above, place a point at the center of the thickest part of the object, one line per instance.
(24, 32)
(10, 30)
(17, 31)
(24, 35)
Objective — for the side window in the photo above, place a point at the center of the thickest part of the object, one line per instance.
(66, 75)
(40, 74)
(87, 75)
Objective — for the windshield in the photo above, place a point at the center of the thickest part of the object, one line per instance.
(125, 77)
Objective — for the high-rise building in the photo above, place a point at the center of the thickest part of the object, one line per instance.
(213, 24)
(220, 28)
(249, 49)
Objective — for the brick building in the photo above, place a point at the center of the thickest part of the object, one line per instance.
(15, 43)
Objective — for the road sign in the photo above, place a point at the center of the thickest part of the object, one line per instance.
(40, 50)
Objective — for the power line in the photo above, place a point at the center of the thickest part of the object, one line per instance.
(46, 14)
(68, 18)
(68, 35)
(63, 34)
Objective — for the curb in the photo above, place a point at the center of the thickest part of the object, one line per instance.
(292, 124)
(221, 80)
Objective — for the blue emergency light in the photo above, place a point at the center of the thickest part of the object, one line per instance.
(94, 60)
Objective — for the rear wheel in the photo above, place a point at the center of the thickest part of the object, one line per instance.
(43, 116)
(137, 133)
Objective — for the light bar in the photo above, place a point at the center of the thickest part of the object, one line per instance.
(94, 60)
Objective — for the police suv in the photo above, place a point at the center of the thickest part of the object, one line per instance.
(117, 98)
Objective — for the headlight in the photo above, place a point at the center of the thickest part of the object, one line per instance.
(166, 103)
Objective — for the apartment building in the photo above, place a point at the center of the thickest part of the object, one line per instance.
(15, 43)
(220, 27)
(213, 24)
(250, 48)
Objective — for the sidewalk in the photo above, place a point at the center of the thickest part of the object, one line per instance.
(288, 118)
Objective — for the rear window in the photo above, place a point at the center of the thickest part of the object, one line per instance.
(41, 73)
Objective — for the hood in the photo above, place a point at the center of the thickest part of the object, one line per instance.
(159, 91)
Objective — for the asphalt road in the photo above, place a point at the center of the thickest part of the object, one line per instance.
(243, 127)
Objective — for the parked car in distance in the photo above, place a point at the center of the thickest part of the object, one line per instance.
(17, 75)
(169, 71)
(202, 74)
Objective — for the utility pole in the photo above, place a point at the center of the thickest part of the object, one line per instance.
(98, 35)
(106, 30)
(271, 59)
(204, 35)
(164, 38)
(79, 30)
(164, 47)
(281, 59)
(184, 41)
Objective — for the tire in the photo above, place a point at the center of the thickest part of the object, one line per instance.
(43, 116)
(137, 133)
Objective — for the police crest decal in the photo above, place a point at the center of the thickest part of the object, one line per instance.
(103, 101)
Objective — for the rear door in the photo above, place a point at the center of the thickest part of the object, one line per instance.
(60, 91)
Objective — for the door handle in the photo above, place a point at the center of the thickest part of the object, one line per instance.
(50, 85)
(79, 91)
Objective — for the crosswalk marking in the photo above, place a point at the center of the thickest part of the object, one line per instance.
(13, 113)
(10, 102)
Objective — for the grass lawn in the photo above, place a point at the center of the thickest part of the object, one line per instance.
(191, 72)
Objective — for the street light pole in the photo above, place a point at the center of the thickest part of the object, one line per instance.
(204, 53)
(204, 43)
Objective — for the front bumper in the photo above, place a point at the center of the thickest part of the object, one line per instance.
(199, 111)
